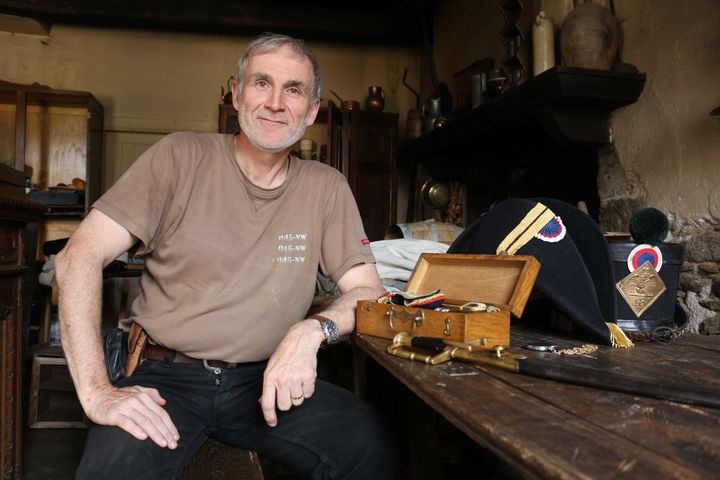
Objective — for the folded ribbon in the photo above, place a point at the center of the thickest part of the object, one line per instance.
(430, 300)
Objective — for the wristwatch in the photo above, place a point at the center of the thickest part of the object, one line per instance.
(329, 329)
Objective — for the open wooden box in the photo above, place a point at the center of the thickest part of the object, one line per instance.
(502, 281)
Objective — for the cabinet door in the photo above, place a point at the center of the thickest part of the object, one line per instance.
(372, 169)
(10, 376)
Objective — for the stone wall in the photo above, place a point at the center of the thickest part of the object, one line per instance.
(699, 287)
(622, 194)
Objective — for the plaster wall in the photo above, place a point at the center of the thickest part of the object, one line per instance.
(152, 83)
(465, 31)
(667, 140)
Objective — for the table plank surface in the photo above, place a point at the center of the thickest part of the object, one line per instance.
(546, 428)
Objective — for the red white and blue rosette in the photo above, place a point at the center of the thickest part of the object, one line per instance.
(644, 253)
(553, 231)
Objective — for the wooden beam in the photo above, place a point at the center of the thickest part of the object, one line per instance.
(28, 26)
(393, 22)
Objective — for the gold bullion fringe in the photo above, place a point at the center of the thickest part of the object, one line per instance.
(618, 337)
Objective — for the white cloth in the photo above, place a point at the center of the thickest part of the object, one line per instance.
(47, 274)
(397, 258)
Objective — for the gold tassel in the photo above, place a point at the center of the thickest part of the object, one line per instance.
(618, 337)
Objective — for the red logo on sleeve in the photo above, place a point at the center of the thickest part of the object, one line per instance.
(364, 241)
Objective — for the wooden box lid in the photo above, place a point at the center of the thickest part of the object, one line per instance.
(504, 281)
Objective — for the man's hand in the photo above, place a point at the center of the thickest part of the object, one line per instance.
(137, 410)
(291, 371)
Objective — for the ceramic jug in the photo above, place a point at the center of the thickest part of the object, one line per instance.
(375, 100)
(589, 37)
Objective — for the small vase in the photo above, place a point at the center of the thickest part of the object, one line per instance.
(375, 101)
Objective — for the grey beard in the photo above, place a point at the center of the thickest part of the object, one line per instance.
(292, 137)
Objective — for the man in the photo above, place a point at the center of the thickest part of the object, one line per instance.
(232, 229)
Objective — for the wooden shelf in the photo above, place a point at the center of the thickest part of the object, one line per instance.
(570, 104)
(64, 214)
(51, 136)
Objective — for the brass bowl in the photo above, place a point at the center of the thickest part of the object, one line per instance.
(435, 194)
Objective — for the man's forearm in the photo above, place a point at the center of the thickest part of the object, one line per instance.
(79, 277)
(78, 269)
(342, 310)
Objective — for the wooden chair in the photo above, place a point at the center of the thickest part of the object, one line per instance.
(218, 461)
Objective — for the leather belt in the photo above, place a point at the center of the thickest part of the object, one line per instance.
(162, 354)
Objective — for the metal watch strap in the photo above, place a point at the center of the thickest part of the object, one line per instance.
(329, 328)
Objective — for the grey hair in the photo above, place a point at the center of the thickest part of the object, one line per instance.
(270, 42)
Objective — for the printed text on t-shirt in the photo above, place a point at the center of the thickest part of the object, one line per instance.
(291, 243)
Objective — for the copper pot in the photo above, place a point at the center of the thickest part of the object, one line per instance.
(414, 125)
(350, 105)
(347, 105)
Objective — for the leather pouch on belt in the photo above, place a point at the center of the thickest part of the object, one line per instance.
(136, 344)
(115, 348)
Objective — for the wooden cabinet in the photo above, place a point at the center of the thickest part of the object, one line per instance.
(227, 118)
(15, 214)
(46, 137)
(368, 152)
(363, 146)
(50, 137)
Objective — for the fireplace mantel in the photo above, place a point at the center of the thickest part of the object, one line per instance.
(568, 104)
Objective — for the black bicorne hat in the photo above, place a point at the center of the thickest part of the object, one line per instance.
(576, 271)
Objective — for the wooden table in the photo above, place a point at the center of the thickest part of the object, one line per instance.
(549, 429)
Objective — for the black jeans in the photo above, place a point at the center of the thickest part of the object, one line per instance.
(331, 435)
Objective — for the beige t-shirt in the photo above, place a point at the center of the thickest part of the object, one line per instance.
(230, 266)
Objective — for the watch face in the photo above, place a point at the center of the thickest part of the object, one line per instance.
(330, 330)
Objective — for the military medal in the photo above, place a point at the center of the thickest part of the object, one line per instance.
(641, 288)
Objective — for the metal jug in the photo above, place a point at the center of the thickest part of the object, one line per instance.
(432, 110)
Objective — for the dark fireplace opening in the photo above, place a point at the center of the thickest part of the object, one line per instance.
(536, 166)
